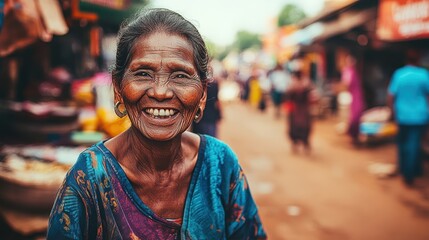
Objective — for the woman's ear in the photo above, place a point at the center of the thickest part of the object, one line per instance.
(203, 100)
(201, 105)
(117, 94)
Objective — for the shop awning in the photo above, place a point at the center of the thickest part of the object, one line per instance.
(347, 21)
(110, 13)
(403, 20)
(323, 30)
(332, 8)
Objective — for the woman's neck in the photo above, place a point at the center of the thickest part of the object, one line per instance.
(144, 155)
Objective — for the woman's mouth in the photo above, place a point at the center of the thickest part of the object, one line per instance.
(160, 112)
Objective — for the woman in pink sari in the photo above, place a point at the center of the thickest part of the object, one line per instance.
(352, 80)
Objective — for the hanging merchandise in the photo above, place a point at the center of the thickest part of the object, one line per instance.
(29, 20)
(21, 26)
(52, 17)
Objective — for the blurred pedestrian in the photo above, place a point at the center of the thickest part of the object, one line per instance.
(351, 79)
(300, 95)
(242, 77)
(212, 113)
(280, 80)
(255, 90)
(408, 98)
(265, 86)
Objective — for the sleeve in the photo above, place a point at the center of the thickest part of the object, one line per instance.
(71, 214)
(242, 218)
(68, 219)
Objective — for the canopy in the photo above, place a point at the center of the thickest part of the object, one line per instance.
(323, 30)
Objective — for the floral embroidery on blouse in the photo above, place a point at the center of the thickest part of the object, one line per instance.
(97, 201)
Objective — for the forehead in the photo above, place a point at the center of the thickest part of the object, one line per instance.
(163, 44)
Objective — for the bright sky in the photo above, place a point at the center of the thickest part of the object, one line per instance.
(219, 20)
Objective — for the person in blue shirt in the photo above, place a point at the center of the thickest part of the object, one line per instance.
(408, 99)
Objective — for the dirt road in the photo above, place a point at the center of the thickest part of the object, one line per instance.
(329, 194)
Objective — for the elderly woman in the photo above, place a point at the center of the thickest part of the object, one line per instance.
(156, 180)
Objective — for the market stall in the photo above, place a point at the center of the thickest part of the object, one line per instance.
(56, 99)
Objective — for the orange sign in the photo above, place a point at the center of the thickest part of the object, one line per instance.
(403, 19)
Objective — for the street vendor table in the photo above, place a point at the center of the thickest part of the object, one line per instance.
(16, 224)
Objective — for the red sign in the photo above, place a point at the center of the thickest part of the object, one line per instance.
(403, 19)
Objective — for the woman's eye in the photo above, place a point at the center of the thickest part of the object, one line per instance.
(142, 74)
(180, 75)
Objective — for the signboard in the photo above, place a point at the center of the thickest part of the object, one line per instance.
(403, 20)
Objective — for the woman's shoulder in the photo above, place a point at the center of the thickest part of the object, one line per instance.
(218, 150)
(88, 162)
(88, 156)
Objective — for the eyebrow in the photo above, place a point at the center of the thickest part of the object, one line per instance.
(142, 62)
(175, 65)
(181, 65)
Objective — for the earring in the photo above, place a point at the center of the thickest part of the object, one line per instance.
(118, 112)
(197, 115)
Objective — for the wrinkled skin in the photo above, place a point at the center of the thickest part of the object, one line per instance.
(161, 75)
(157, 154)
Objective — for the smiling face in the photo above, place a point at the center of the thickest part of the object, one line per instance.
(161, 89)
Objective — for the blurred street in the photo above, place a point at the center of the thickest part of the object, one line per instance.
(361, 67)
(329, 194)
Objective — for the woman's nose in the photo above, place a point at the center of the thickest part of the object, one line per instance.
(160, 91)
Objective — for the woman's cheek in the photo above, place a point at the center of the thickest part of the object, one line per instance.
(192, 94)
(133, 92)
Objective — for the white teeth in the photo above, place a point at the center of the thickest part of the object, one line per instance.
(160, 112)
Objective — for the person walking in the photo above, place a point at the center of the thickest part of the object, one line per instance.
(300, 96)
(255, 90)
(408, 94)
(351, 79)
(279, 80)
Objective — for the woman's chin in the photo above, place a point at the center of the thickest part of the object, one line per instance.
(161, 136)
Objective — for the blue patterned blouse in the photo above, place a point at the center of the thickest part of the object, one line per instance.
(97, 201)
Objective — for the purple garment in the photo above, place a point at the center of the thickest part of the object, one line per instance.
(97, 201)
(352, 80)
(134, 222)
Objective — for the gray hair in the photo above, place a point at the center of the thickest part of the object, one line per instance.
(149, 21)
